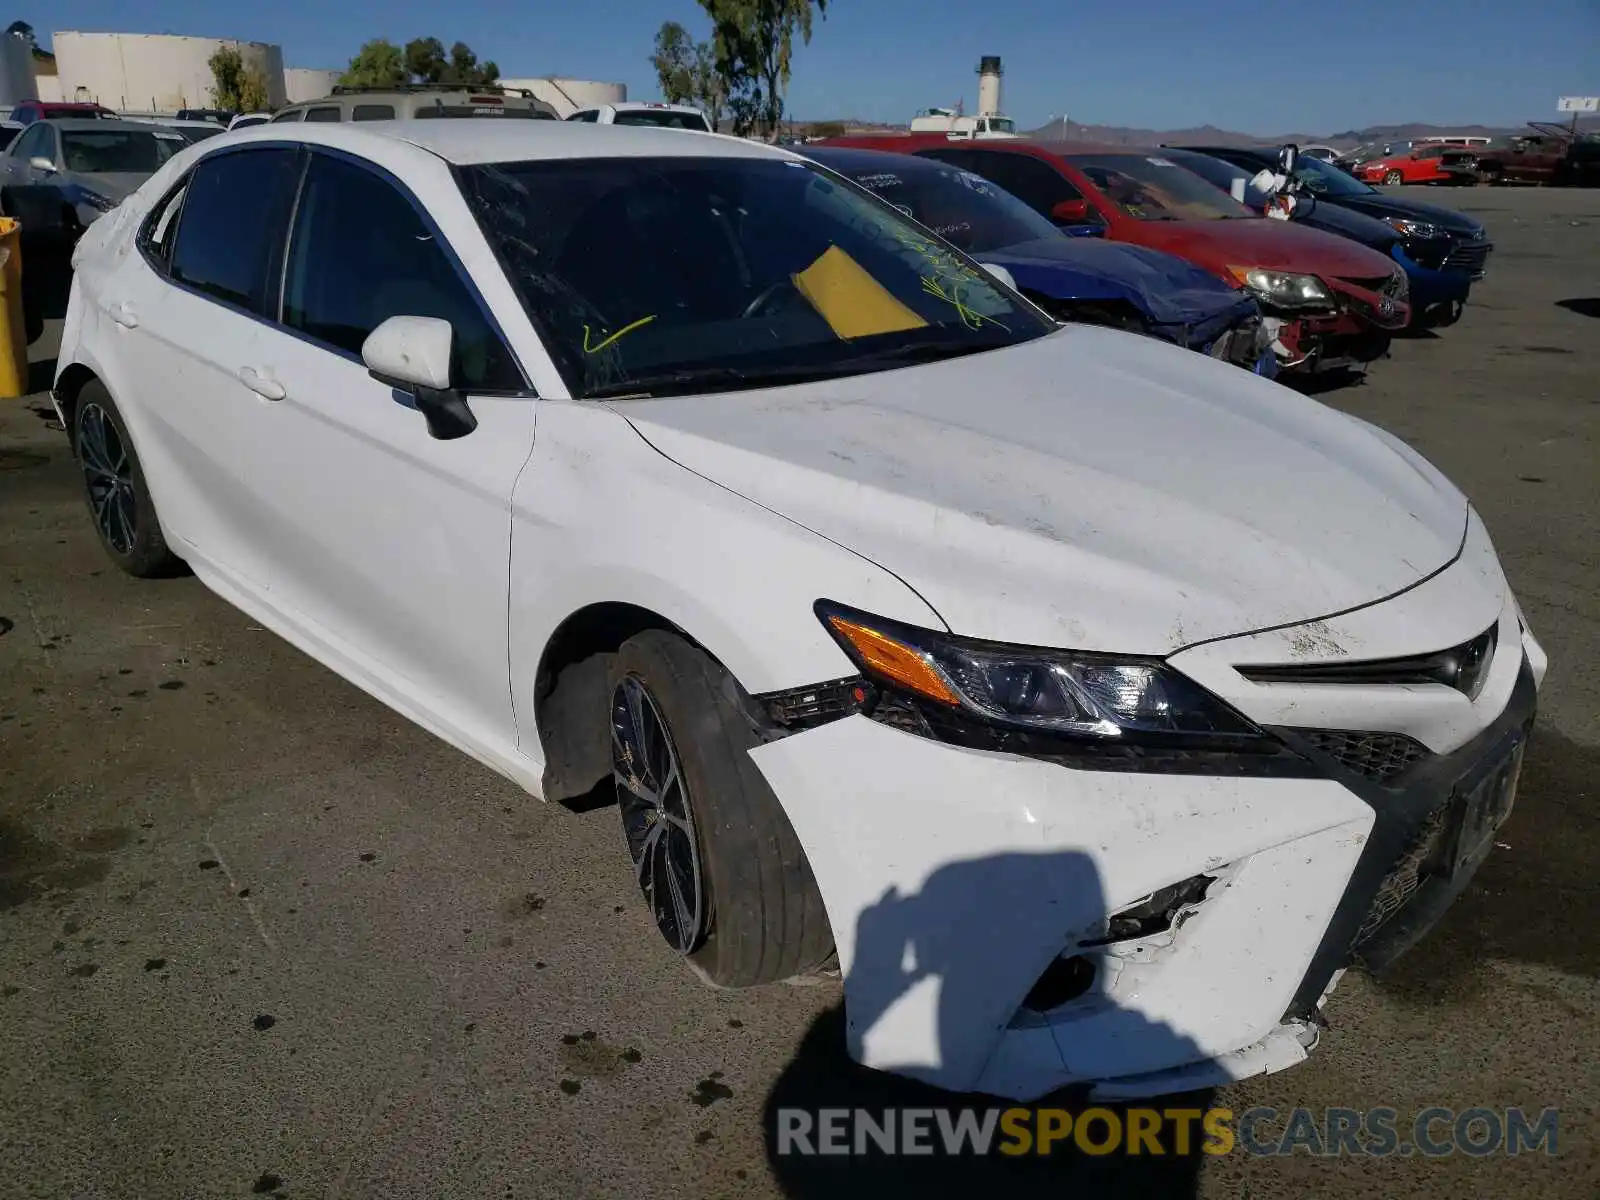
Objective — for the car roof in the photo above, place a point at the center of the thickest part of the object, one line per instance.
(636, 105)
(466, 141)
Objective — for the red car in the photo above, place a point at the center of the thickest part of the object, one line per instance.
(1436, 162)
(29, 111)
(1338, 301)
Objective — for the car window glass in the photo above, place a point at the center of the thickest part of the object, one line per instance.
(360, 253)
(372, 112)
(156, 236)
(294, 114)
(328, 112)
(1036, 184)
(590, 115)
(118, 151)
(32, 142)
(231, 229)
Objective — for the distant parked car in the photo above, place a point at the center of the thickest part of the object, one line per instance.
(217, 116)
(1435, 162)
(666, 116)
(29, 111)
(1548, 155)
(1443, 251)
(94, 162)
(1338, 301)
(1086, 280)
(245, 120)
(1324, 153)
(419, 101)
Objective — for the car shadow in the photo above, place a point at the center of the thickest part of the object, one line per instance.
(1584, 306)
(953, 933)
(1323, 382)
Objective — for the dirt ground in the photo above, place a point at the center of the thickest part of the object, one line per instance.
(258, 935)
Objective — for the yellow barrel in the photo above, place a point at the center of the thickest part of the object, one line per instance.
(14, 345)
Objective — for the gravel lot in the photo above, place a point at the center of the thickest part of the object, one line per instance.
(260, 936)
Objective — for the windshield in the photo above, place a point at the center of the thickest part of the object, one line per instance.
(1150, 188)
(965, 209)
(663, 118)
(662, 275)
(1323, 179)
(114, 151)
(1001, 124)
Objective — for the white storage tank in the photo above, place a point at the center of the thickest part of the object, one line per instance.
(157, 73)
(308, 83)
(567, 96)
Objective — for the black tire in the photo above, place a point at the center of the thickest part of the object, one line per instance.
(118, 496)
(760, 915)
(1393, 179)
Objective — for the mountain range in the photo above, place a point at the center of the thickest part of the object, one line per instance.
(1210, 135)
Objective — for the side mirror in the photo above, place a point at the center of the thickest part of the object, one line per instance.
(1000, 273)
(412, 356)
(1070, 212)
(40, 163)
(1286, 159)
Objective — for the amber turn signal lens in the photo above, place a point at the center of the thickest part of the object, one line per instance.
(890, 660)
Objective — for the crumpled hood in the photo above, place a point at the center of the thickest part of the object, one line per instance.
(1090, 489)
(1262, 242)
(1170, 290)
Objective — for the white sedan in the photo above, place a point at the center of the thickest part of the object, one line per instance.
(1094, 703)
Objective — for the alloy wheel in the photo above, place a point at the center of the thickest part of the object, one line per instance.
(108, 474)
(1394, 178)
(653, 797)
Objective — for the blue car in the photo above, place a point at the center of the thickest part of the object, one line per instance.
(1073, 278)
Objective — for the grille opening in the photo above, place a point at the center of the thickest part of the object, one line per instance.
(806, 707)
(1160, 911)
(1380, 757)
(1063, 980)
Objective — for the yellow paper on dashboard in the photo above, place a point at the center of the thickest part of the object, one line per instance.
(852, 302)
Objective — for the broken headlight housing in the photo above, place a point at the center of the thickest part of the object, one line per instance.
(962, 688)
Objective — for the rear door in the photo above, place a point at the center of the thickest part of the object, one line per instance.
(187, 311)
(390, 545)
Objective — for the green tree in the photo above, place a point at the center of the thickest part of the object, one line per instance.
(753, 41)
(379, 63)
(465, 68)
(674, 61)
(425, 60)
(709, 91)
(236, 86)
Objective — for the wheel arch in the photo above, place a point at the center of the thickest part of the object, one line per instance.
(68, 387)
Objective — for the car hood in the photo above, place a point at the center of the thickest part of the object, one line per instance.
(1170, 290)
(1379, 205)
(1347, 222)
(1089, 489)
(1262, 242)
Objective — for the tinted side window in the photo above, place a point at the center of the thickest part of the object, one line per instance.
(328, 112)
(372, 112)
(589, 114)
(32, 142)
(230, 233)
(1036, 184)
(360, 253)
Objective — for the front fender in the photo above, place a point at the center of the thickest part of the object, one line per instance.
(599, 516)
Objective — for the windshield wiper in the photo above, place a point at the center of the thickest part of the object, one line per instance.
(729, 379)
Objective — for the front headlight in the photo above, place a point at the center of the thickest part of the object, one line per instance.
(1079, 695)
(1283, 288)
(1417, 229)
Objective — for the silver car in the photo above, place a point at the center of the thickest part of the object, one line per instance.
(95, 163)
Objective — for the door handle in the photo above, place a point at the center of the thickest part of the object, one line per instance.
(124, 315)
(261, 385)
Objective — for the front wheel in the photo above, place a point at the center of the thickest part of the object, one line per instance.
(114, 484)
(720, 867)
(1394, 179)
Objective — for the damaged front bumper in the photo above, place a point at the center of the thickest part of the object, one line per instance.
(1013, 926)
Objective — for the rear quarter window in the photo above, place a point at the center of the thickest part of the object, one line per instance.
(372, 112)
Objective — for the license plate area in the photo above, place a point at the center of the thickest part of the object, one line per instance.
(1480, 806)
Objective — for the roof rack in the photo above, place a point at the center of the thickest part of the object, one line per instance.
(488, 89)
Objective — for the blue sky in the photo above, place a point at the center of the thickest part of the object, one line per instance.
(1314, 66)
